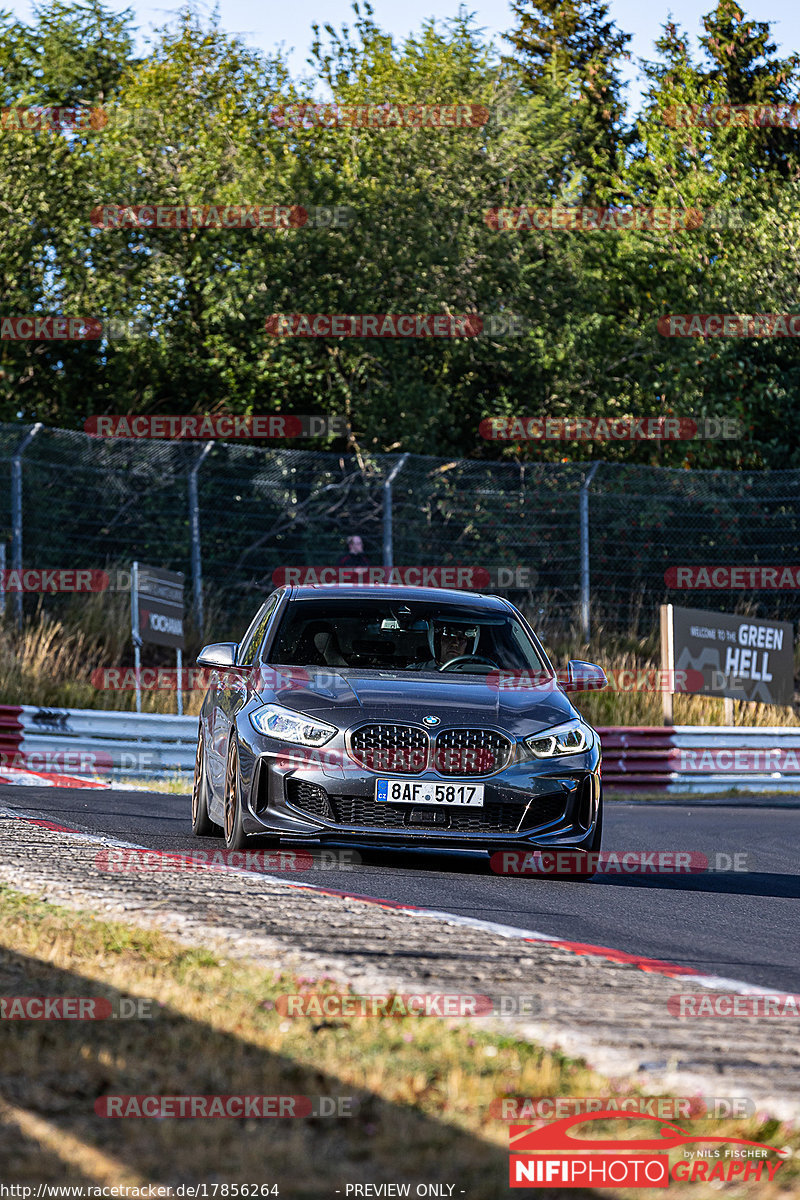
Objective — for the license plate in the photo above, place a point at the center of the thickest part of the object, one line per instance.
(421, 791)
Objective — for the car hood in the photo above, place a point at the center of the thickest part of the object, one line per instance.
(383, 696)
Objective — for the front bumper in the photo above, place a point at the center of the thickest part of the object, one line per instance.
(540, 803)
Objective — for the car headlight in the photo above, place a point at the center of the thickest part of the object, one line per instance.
(289, 726)
(571, 738)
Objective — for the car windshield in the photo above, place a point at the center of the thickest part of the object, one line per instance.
(390, 634)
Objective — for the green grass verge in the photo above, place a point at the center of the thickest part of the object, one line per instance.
(420, 1089)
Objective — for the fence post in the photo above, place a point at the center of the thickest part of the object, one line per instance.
(179, 679)
(194, 526)
(585, 577)
(16, 513)
(135, 634)
(388, 548)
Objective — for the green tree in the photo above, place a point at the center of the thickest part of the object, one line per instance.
(735, 177)
(69, 57)
(571, 45)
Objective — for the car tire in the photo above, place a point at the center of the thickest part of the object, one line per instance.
(202, 825)
(233, 832)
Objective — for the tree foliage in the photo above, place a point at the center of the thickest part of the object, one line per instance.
(193, 122)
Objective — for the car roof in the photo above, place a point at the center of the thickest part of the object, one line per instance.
(329, 591)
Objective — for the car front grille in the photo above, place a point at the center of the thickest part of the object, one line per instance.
(404, 750)
(470, 752)
(399, 749)
(357, 812)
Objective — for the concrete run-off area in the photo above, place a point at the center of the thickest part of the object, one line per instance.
(613, 1010)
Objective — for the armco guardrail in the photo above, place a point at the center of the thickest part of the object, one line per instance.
(701, 758)
(95, 743)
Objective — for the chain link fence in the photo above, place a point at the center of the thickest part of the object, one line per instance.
(85, 502)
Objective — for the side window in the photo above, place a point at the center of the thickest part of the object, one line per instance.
(255, 634)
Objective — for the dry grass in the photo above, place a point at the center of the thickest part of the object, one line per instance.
(51, 662)
(621, 652)
(176, 783)
(421, 1087)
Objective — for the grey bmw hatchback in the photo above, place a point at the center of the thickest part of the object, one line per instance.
(395, 717)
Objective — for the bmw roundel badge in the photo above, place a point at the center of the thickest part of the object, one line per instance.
(430, 720)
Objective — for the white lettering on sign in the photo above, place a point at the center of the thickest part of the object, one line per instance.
(745, 663)
(164, 624)
(760, 635)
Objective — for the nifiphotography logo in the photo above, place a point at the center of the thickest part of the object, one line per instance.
(551, 1156)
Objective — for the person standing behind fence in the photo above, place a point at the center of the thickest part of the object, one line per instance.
(355, 556)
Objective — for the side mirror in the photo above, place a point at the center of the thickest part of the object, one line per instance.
(584, 677)
(219, 654)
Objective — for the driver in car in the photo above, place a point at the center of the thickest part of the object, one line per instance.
(449, 641)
